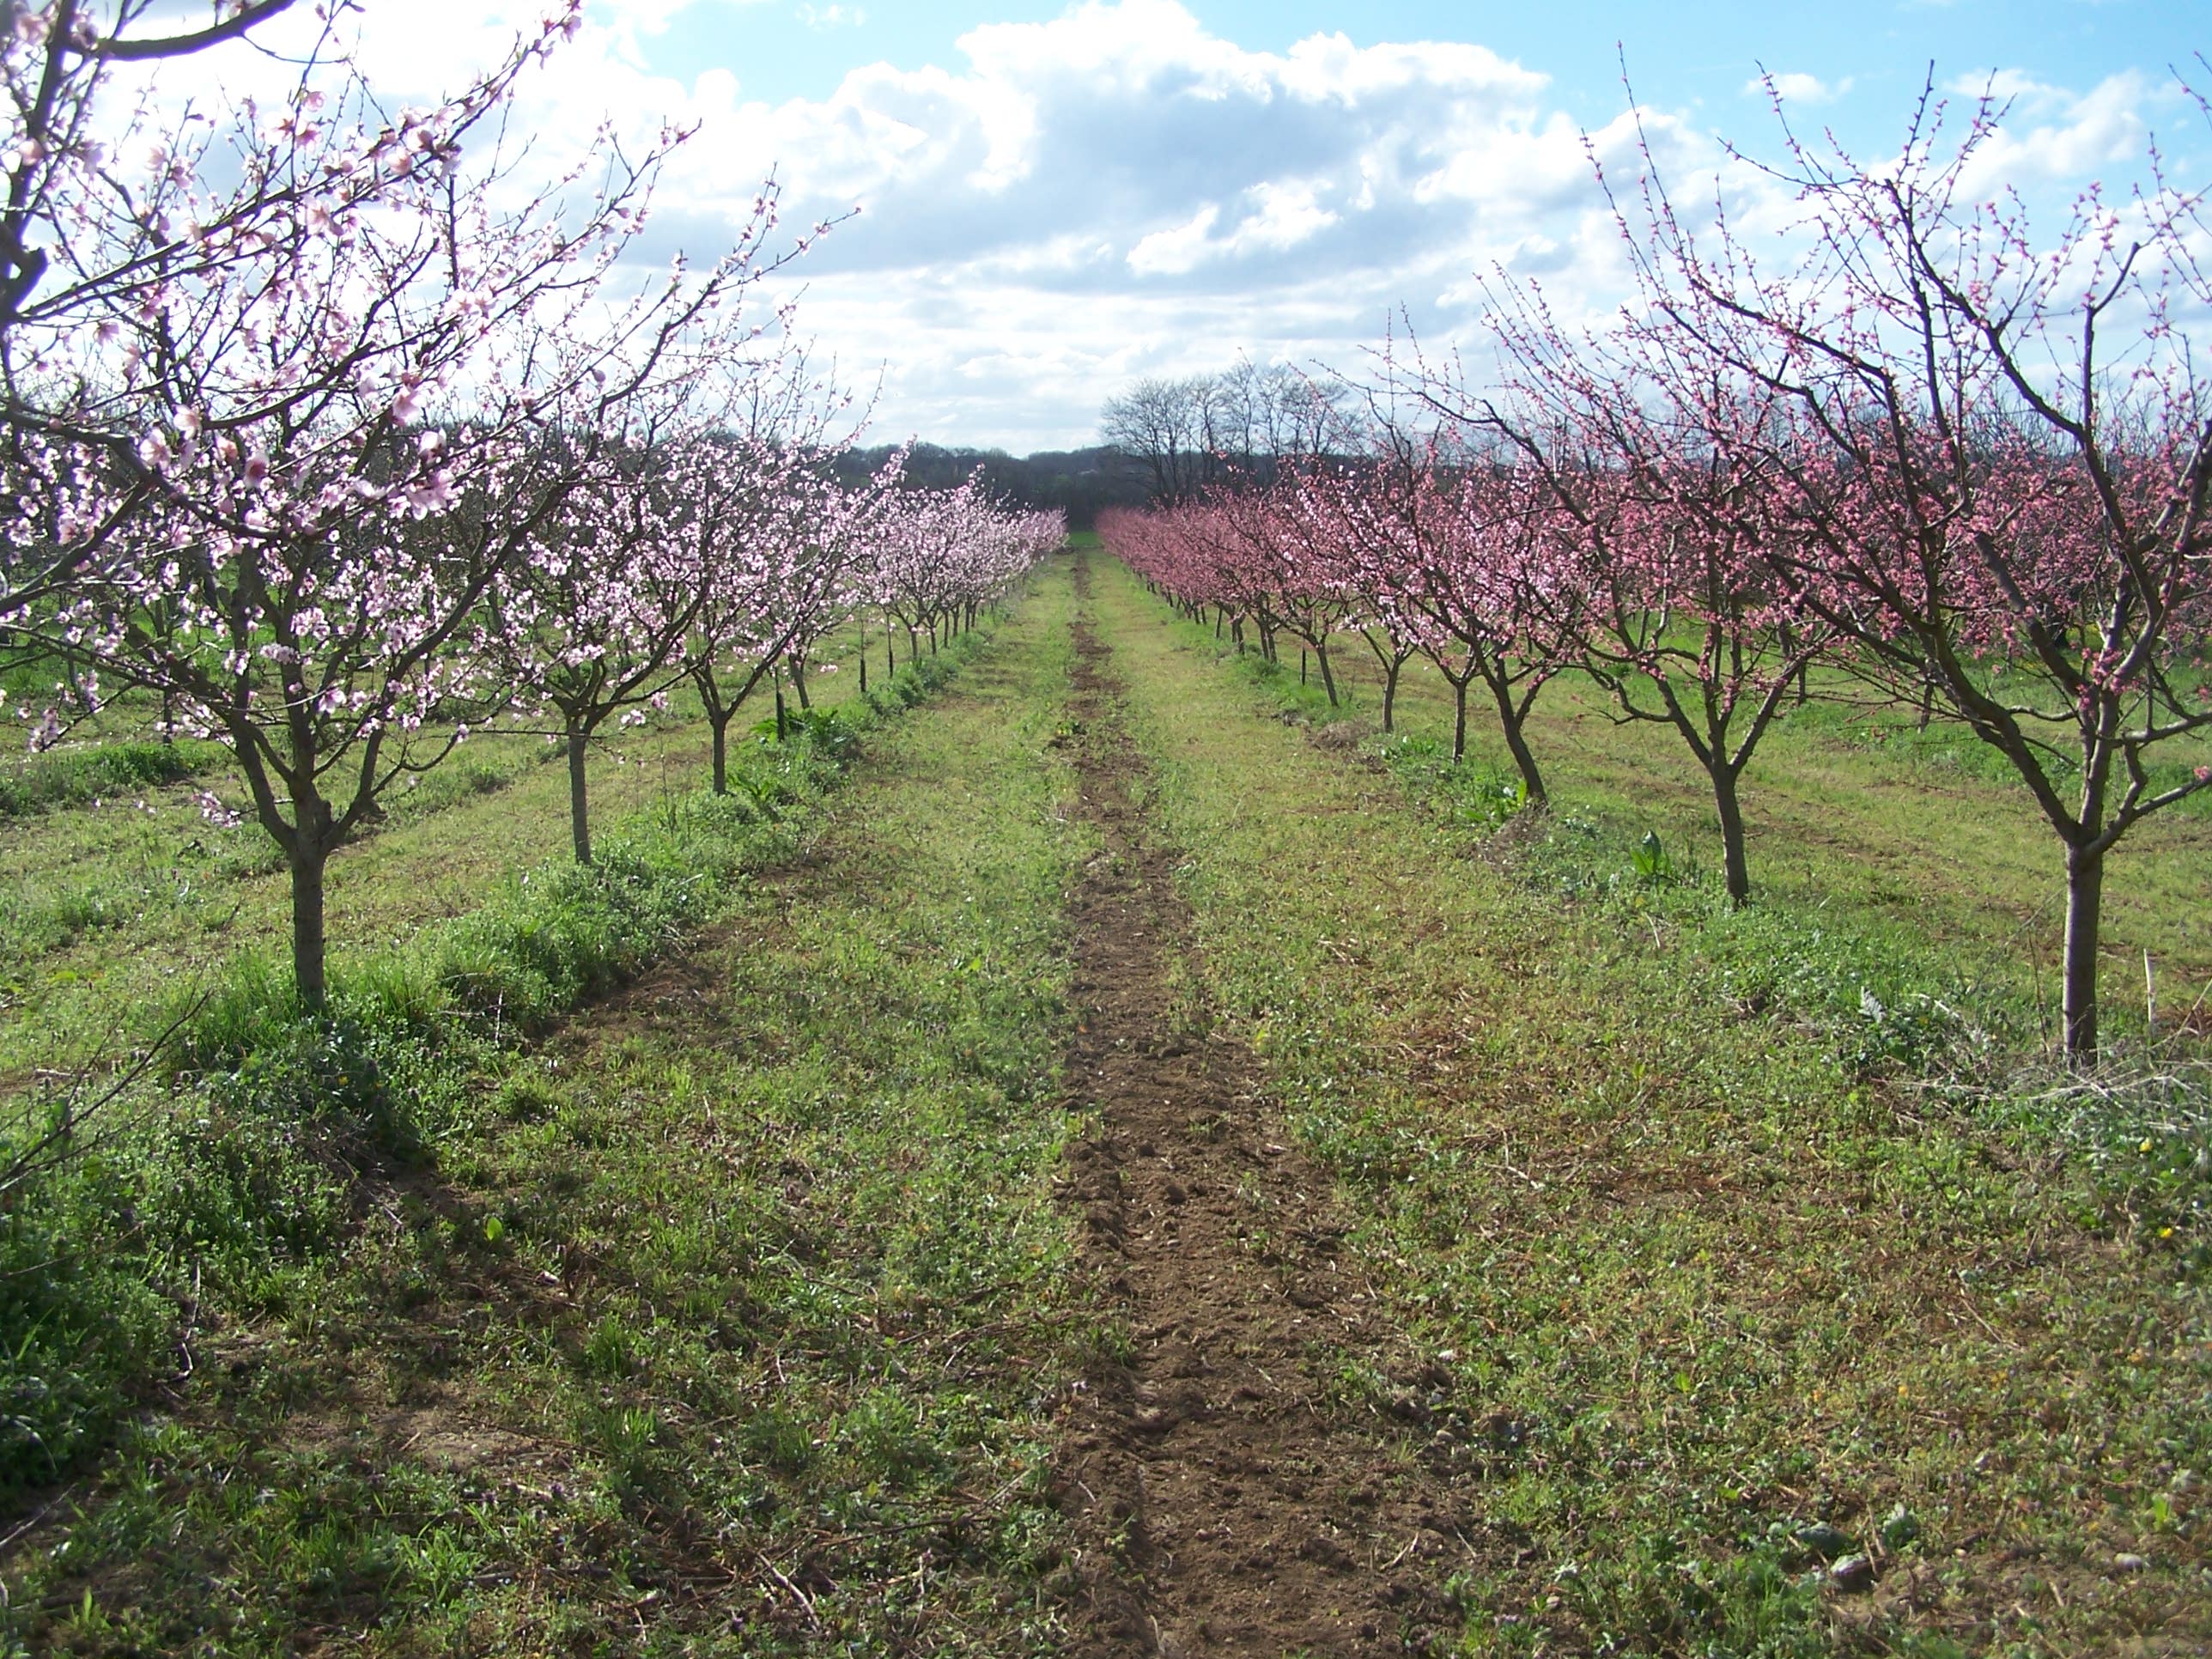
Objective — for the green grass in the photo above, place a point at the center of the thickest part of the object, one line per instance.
(1718, 1275)
(733, 1313)
(732, 1318)
(80, 775)
(270, 1106)
(1849, 813)
(131, 903)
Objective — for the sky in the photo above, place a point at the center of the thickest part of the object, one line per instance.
(1057, 200)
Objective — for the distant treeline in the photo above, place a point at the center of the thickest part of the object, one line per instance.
(1083, 482)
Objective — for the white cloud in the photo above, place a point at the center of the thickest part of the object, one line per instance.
(1119, 191)
(2055, 137)
(1795, 87)
(1175, 251)
(2003, 84)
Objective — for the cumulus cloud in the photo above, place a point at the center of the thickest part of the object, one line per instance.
(1119, 191)
(2004, 85)
(2066, 138)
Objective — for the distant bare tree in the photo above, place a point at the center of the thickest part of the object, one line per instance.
(1186, 433)
(1159, 424)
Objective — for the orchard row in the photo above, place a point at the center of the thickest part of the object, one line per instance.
(1921, 453)
(337, 435)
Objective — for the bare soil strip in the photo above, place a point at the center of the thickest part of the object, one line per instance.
(1226, 1503)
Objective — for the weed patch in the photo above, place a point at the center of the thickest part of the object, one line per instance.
(73, 777)
(1709, 1229)
(224, 1193)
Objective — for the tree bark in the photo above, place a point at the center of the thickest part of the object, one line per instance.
(308, 943)
(2085, 905)
(1390, 673)
(1459, 722)
(721, 730)
(1735, 865)
(1327, 679)
(1509, 718)
(580, 812)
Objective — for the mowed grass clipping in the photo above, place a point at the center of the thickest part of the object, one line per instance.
(1700, 1288)
(732, 1319)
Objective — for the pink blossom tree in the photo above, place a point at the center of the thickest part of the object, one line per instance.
(1990, 456)
(104, 221)
(1664, 529)
(786, 567)
(343, 443)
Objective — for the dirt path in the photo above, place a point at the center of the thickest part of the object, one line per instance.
(1227, 1503)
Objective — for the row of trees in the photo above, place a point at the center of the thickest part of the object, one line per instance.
(1184, 435)
(1938, 458)
(343, 434)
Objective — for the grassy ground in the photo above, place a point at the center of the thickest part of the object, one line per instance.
(736, 1315)
(1696, 1284)
(732, 1319)
(120, 902)
(1858, 813)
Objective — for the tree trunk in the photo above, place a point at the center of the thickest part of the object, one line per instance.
(1302, 665)
(1516, 739)
(782, 721)
(580, 812)
(798, 683)
(1735, 865)
(307, 939)
(2085, 904)
(891, 650)
(1458, 721)
(1391, 694)
(1327, 679)
(721, 731)
(1525, 758)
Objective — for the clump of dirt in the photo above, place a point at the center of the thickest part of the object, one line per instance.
(1225, 1502)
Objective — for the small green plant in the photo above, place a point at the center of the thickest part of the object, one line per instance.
(1650, 862)
(74, 777)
